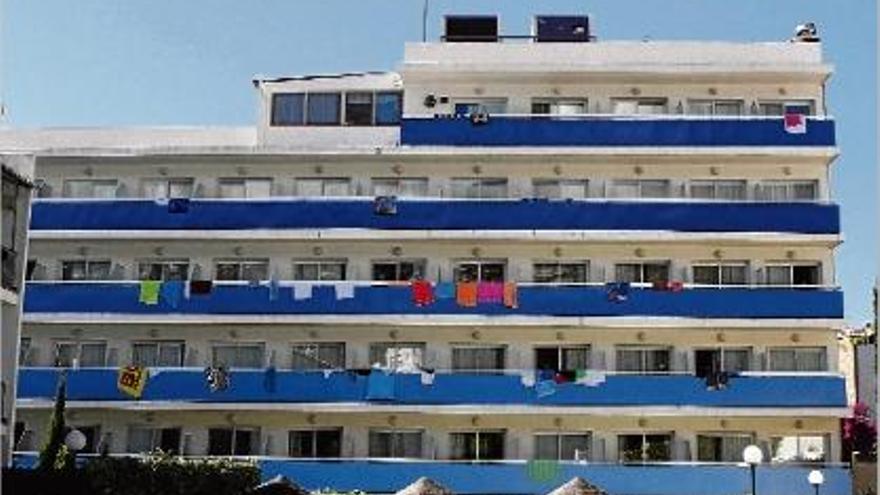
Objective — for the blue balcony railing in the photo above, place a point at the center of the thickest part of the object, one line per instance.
(452, 389)
(612, 131)
(539, 478)
(384, 299)
(437, 214)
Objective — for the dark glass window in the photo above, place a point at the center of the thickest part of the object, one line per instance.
(359, 108)
(323, 109)
(288, 109)
(389, 108)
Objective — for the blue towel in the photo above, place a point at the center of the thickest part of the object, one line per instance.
(617, 291)
(172, 292)
(545, 387)
(380, 385)
(273, 288)
(178, 205)
(445, 290)
(270, 379)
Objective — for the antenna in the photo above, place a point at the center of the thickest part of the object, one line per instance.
(425, 21)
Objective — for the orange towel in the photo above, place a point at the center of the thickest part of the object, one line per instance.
(511, 295)
(466, 294)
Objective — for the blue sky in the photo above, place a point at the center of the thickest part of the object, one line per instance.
(173, 62)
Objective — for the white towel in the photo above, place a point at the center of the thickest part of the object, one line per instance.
(427, 378)
(527, 378)
(344, 290)
(302, 290)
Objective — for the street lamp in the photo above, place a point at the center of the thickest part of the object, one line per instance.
(75, 441)
(753, 456)
(816, 478)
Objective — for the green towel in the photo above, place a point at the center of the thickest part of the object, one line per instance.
(150, 291)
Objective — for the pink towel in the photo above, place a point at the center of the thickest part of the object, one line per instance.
(490, 292)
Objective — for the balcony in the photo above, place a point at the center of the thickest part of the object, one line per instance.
(436, 214)
(604, 130)
(778, 391)
(376, 298)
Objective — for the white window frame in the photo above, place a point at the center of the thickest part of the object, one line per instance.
(556, 104)
(789, 187)
(239, 346)
(639, 104)
(453, 347)
(247, 183)
(314, 433)
(166, 183)
(643, 358)
(181, 344)
(419, 351)
(391, 432)
(324, 182)
(78, 344)
(396, 183)
(719, 267)
(790, 265)
(559, 435)
(824, 364)
(645, 435)
(800, 436)
(714, 185)
(319, 263)
(751, 436)
(166, 264)
(558, 269)
(315, 348)
(420, 266)
(641, 264)
(558, 185)
(105, 182)
(241, 263)
(87, 268)
(560, 356)
(456, 266)
(613, 184)
(713, 106)
(155, 440)
(477, 434)
(723, 350)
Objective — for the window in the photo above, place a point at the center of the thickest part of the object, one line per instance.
(144, 439)
(476, 446)
(488, 105)
(640, 106)
(784, 190)
(731, 360)
(574, 272)
(398, 270)
(24, 351)
(727, 447)
(157, 353)
(720, 274)
(560, 188)
(626, 188)
(555, 106)
(777, 108)
(564, 358)
(232, 441)
(88, 354)
(93, 438)
(478, 358)
(798, 359)
(396, 443)
(245, 188)
(318, 355)
(562, 446)
(288, 109)
(238, 355)
(793, 274)
(715, 107)
(643, 359)
(399, 186)
(479, 271)
(359, 109)
(319, 443)
(249, 270)
(727, 190)
(85, 270)
(323, 187)
(389, 107)
(90, 188)
(327, 270)
(323, 109)
(803, 448)
(397, 354)
(168, 188)
(644, 447)
(647, 273)
(163, 270)
(481, 188)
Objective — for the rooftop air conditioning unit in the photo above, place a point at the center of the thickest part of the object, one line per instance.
(471, 28)
(561, 28)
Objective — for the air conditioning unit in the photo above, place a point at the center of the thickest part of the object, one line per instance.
(561, 29)
(471, 28)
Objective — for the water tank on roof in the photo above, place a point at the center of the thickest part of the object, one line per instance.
(471, 28)
(561, 28)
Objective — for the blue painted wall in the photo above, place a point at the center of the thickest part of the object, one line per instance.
(806, 218)
(605, 131)
(262, 386)
(70, 297)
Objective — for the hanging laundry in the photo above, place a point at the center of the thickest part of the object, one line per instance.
(675, 285)
(564, 376)
(274, 287)
(149, 293)
(302, 290)
(660, 285)
(172, 292)
(327, 373)
(380, 385)
(511, 295)
(200, 287)
(589, 378)
(444, 290)
(270, 379)
(617, 292)
(427, 376)
(217, 378)
(795, 123)
(527, 378)
(344, 290)
(466, 294)
(385, 205)
(132, 380)
(178, 205)
(545, 387)
(490, 292)
(422, 292)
